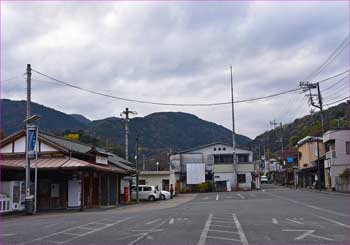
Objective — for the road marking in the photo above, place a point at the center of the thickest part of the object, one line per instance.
(297, 222)
(310, 206)
(143, 235)
(217, 197)
(171, 221)
(309, 233)
(333, 221)
(223, 231)
(221, 225)
(274, 220)
(219, 221)
(204, 234)
(75, 227)
(221, 218)
(240, 230)
(242, 197)
(153, 221)
(222, 238)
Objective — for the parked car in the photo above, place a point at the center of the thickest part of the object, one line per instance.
(264, 179)
(146, 192)
(164, 195)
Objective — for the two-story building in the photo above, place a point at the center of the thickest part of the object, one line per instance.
(311, 149)
(213, 163)
(337, 158)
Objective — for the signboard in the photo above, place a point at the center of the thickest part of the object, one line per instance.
(195, 173)
(290, 159)
(72, 136)
(32, 142)
(262, 164)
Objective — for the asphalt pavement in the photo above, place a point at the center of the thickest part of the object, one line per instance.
(273, 215)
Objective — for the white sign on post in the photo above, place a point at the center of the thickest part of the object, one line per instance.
(195, 173)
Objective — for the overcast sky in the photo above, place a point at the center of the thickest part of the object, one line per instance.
(174, 52)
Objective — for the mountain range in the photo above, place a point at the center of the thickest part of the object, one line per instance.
(159, 131)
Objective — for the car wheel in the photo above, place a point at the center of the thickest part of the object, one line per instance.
(151, 198)
(162, 197)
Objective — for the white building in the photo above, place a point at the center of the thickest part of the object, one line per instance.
(217, 161)
(162, 179)
(337, 154)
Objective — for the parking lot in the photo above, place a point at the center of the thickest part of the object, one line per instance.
(271, 216)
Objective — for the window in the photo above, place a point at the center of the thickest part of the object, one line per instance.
(241, 178)
(219, 149)
(242, 158)
(347, 145)
(223, 159)
(214, 149)
(224, 149)
(147, 188)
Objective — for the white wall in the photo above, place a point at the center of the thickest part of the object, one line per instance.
(6, 148)
(19, 146)
(46, 148)
(156, 179)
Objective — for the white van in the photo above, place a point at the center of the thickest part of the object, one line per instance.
(146, 192)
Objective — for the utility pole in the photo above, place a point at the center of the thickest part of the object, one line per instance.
(127, 112)
(137, 168)
(274, 123)
(307, 86)
(235, 180)
(28, 114)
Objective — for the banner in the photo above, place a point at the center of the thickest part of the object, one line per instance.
(32, 142)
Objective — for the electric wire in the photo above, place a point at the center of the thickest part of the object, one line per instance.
(334, 102)
(161, 103)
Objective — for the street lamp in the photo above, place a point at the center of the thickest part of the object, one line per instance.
(157, 163)
(30, 150)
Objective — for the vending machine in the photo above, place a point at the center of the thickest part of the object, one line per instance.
(15, 192)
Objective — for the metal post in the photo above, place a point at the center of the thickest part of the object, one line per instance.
(28, 114)
(318, 165)
(235, 181)
(137, 169)
(126, 134)
(35, 189)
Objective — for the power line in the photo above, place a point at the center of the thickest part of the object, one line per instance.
(337, 75)
(335, 83)
(330, 58)
(9, 79)
(161, 103)
(334, 102)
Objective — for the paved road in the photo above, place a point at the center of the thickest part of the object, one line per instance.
(274, 215)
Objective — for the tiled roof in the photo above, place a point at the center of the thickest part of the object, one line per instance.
(58, 163)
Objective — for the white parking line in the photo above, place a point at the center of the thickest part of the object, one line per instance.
(297, 222)
(274, 220)
(153, 221)
(66, 231)
(143, 235)
(242, 197)
(204, 234)
(219, 221)
(217, 197)
(171, 221)
(224, 231)
(331, 220)
(223, 238)
(309, 206)
(240, 230)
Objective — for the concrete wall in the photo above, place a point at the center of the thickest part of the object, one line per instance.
(156, 178)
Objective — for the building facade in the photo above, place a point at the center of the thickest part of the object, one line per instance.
(217, 161)
(337, 159)
(70, 174)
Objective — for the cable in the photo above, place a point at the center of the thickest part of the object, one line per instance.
(9, 79)
(161, 103)
(330, 58)
(337, 75)
(335, 83)
(334, 102)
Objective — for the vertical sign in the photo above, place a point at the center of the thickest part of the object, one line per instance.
(32, 142)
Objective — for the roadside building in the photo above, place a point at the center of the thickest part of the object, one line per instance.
(337, 158)
(213, 164)
(70, 174)
(310, 148)
(162, 179)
